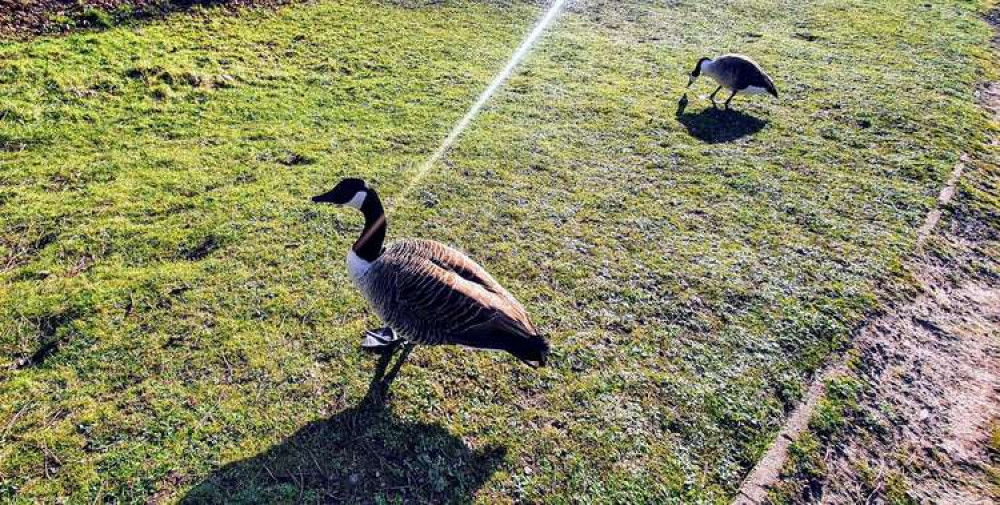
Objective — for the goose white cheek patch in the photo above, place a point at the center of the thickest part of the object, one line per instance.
(358, 200)
(356, 266)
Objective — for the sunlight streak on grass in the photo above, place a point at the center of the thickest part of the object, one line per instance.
(498, 81)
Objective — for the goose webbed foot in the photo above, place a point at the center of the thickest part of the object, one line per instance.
(380, 340)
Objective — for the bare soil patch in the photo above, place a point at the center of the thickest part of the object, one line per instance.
(926, 429)
(923, 429)
(25, 18)
(935, 371)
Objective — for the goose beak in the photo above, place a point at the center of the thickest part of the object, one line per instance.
(325, 198)
(691, 81)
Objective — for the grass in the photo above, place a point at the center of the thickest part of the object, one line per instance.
(176, 319)
(836, 414)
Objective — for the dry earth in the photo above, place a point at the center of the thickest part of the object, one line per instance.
(925, 430)
(935, 371)
(23, 18)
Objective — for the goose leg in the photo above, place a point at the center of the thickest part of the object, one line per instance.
(379, 339)
(730, 99)
(378, 390)
(391, 376)
(712, 96)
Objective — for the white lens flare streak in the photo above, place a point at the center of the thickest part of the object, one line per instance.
(498, 81)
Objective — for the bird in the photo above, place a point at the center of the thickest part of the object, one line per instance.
(735, 72)
(429, 293)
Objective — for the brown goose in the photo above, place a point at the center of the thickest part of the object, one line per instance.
(428, 293)
(736, 73)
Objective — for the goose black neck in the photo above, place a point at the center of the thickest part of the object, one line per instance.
(369, 245)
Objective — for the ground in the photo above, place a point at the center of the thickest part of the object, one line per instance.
(176, 321)
(913, 415)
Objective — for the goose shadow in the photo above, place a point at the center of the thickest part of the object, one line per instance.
(716, 126)
(362, 455)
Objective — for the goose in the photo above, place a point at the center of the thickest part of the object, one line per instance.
(429, 293)
(736, 73)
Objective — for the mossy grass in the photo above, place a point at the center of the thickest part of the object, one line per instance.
(157, 238)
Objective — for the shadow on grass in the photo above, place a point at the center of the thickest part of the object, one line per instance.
(364, 454)
(716, 126)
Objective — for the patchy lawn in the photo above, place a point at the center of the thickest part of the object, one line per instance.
(176, 319)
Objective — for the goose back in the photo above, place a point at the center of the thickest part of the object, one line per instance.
(737, 72)
(433, 294)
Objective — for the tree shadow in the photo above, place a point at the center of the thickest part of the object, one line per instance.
(362, 455)
(715, 126)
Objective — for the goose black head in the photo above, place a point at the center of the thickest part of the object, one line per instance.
(356, 193)
(350, 192)
(697, 70)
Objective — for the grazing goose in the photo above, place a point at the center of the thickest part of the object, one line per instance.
(736, 73)
(428, 293)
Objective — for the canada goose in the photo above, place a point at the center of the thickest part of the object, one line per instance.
(428, 293)
(736, 73)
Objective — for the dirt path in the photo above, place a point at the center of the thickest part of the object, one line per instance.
(933, 366)
(935, 371)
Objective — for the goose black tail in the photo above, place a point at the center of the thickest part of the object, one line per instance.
(533, 350)
(502, 333)
(772, 89)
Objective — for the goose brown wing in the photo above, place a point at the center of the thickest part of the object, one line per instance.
(744, 72)
(450, 259)
(762, 80)
(441, 295)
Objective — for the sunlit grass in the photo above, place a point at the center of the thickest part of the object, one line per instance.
(155, 225)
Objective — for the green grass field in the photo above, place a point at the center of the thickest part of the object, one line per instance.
(176, 319)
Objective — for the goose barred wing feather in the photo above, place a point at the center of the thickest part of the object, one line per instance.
(440, 296)
(741, 72)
